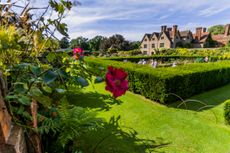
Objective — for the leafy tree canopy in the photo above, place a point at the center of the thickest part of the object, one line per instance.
(217, 29)
(64, 42)
(80, 42)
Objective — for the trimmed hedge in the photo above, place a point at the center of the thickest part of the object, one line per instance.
(227, 112)
(161, 83)
(164, 58)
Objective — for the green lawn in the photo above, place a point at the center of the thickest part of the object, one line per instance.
(135, 124)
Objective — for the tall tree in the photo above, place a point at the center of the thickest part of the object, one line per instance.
(116, 41)
(64, 42)
(94, 43)
(217, 29)
(80, 42)
(134, 45)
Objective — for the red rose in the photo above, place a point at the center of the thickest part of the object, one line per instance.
(116, 81)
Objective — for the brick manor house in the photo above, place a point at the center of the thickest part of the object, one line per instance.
(172, 38)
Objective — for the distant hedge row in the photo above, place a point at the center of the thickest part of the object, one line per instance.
(164, 58)
(160, 84)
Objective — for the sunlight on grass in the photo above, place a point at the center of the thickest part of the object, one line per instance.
(184, 130)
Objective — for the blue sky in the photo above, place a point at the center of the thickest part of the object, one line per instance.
(133, 18)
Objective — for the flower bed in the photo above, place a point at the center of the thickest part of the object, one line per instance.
(161, 84)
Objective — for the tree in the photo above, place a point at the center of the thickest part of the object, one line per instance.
(134, 45)
(94, 43)
(104, 46)
(64, 42)
(116, 41)
(80, 42)
(217, 29)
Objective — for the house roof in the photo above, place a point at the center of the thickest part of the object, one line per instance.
(203, 38)
(184, 33)
(221, 38)
(155, 33)
(148, 35)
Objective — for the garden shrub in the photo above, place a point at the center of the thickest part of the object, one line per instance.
(227, 112)
(160, 84)
(163, 58)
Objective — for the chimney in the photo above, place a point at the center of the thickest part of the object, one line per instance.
(198, 33)
(169, 29)
(227, 30)
(163, 28)
(174, 31)
(204, 30)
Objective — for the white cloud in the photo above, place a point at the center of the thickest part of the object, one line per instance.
(133, 18)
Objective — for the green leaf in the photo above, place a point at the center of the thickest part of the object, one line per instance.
(50, 76)
(83, 82)
(36, 70)
(50, 57)
(20, 87)
(23, 65)
(44, 100)
(9, 97)
(61, 91)
(98, 80)
(35, 91)
(47, 89)
(24, 100)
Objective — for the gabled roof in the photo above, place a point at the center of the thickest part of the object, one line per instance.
(184, 33)
(203, 38)
(221, 38)
(167, 33)
(156, 34)
(148, 35)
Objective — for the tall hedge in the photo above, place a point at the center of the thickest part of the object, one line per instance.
(161, 84)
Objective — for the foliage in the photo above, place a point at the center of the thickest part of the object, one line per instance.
(71, 123)
(80, 42)
(64, 42)
(164, 59)
(129, 53)
(162, 83)
(217, 29)
(134, 45)
(227, 112)
(116, 42)
(210, 42)
(94, 43)
(9, 47)
(39, 78)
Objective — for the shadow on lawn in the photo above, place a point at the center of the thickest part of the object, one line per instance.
(205, 100)
(113, 139)
(93, 100)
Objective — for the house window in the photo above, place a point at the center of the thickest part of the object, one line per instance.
(153, 38)
(145, 45)
(153, 45)
(145, 52)
(162, 37)
(145, 39)
(162, 45)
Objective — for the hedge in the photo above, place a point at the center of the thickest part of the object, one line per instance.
(227, 112)
(161, 83)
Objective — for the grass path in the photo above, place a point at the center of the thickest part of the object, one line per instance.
(186, 131)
